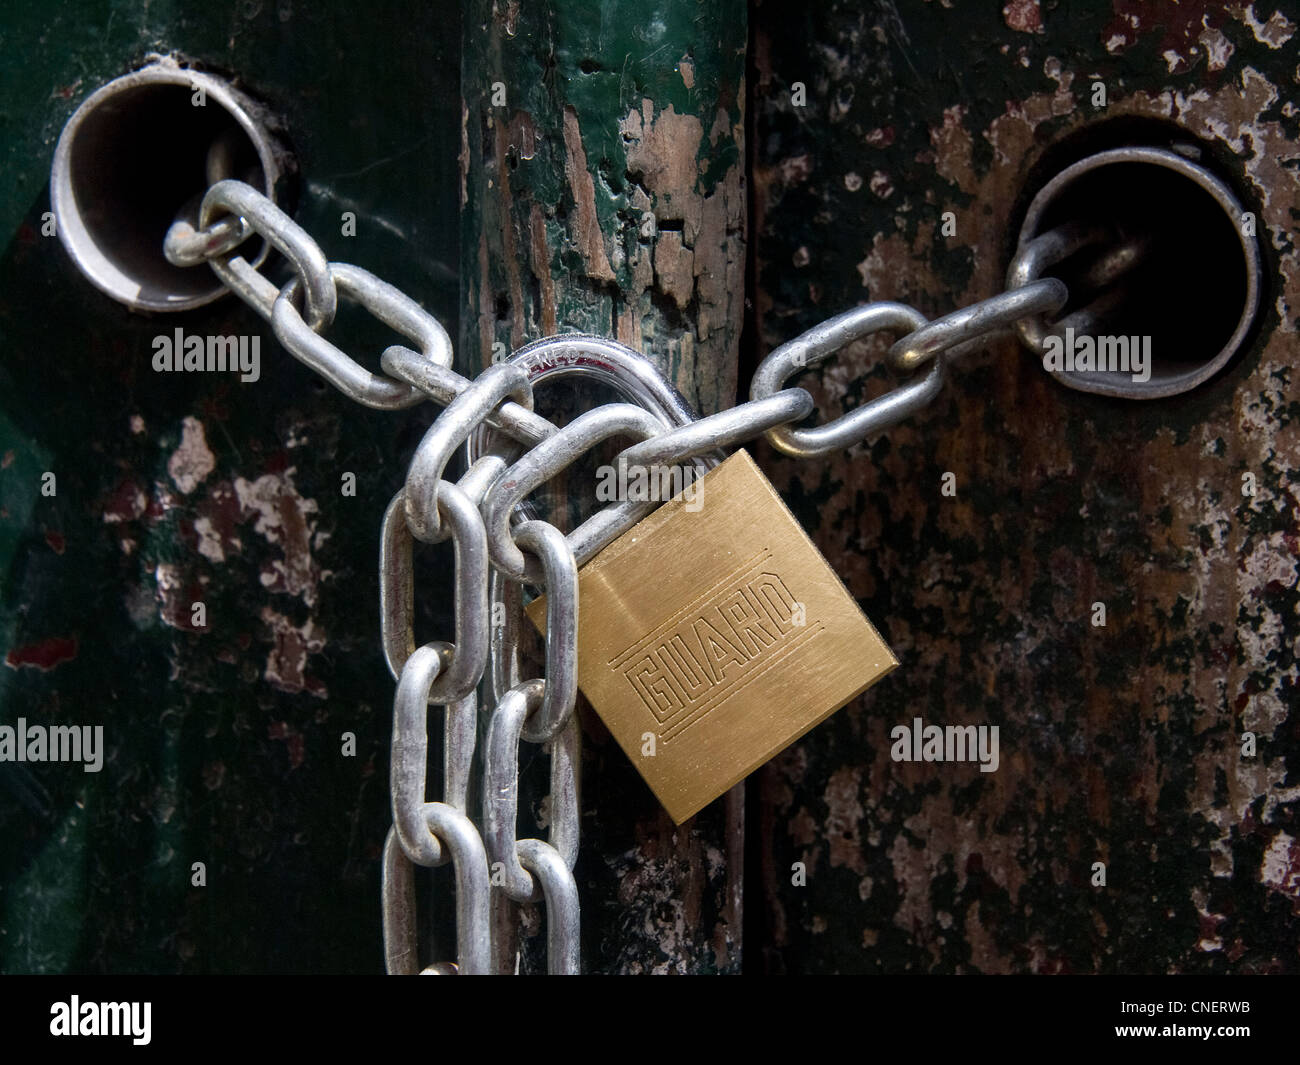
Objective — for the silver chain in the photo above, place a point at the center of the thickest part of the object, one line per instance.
(498, 545)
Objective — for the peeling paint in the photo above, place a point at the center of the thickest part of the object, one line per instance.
(1281, 868)
(192, 461)
(587, 232)
(1274, 32)
(1121, 744)
(1023, 16)
(287, 520)
(292, 646)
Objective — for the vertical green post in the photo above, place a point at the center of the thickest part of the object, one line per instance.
(603, 191)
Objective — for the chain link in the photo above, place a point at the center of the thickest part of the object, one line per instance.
(392, 307)
(498, 546)
(1119, 254)
(976, 326)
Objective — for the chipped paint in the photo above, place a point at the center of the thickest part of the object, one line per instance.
(1281, 868)
(1124, 744)
(612, 200)
(1274, 32)
(1023, 16)
(288, 521)
(218, 516)
(292, 646)
(661, 154)
(99, 869)
(586, 225)
(191, 462)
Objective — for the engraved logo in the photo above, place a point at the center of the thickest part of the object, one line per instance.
(715, 646)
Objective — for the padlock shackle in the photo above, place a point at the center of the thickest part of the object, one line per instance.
(581, 355)
(636, 378)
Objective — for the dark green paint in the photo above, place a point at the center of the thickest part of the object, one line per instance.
(97, 878)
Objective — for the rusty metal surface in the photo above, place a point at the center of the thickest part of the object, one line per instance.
(1119, 744)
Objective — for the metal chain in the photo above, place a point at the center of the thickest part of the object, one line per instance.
(497, 545)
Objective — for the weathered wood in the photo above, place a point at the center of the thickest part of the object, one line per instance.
(1120, 744)
(603, 192)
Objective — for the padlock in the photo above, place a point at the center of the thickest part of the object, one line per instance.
(713, 634)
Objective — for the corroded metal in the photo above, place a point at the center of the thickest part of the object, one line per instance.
(1120, 744)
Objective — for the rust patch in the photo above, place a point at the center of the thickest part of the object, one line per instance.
(286, 665)
(1023, 16)
(44, 655)
(288, 520)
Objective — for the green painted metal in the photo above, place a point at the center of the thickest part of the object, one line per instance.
(1120, 745)
(223, 746)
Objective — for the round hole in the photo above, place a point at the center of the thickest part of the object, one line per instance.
(135, 154)
(1195, 289)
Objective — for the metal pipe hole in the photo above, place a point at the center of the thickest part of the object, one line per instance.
(1179, 266)
(136, 154)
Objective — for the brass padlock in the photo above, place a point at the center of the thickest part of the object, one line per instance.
(713, 634)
